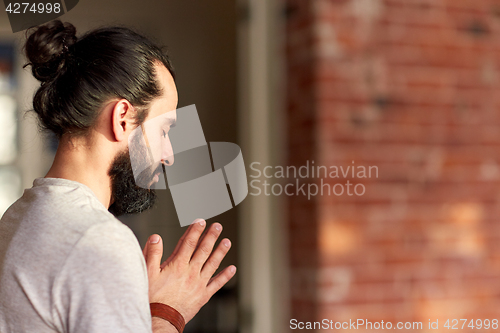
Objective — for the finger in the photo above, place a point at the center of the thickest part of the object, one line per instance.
(190, 242)
(206, 245)
(215, 259)
(145, 250)
(202, 238)
(153, 253)
(176, 249)
(220, 280)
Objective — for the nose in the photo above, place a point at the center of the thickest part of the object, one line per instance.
(167, 152)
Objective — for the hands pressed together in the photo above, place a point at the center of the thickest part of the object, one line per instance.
(185, 280)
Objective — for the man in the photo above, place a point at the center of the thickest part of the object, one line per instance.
(66, 263)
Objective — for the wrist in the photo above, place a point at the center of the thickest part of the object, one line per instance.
(162, 326)
(168, 314)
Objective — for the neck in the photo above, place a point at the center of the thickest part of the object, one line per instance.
(81, 161)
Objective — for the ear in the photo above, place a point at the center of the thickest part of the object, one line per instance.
(122, 119)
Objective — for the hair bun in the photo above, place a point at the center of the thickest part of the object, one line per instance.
(47, 48)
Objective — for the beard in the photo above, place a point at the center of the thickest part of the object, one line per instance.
(128, 198)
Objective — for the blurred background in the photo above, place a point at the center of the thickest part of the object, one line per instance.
(408, 86)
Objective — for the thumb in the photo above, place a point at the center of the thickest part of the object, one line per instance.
(153, 252)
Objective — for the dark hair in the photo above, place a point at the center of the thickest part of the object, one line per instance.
(79, 75)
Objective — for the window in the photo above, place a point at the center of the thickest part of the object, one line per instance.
(10, 177)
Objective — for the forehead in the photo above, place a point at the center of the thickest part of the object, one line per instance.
(168, 100)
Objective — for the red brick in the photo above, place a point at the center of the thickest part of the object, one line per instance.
(414, 92)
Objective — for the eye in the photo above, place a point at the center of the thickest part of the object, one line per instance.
(164, 134)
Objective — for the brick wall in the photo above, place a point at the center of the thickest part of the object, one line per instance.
(412, 87)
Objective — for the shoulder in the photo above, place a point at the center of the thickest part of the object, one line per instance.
(102, 284)
(54, 219)
(58, 209)
(110, 237)
(107, 257)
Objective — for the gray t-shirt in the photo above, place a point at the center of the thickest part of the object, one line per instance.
(68, 265)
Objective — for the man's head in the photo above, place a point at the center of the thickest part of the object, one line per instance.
(97, 89)
(134, 193)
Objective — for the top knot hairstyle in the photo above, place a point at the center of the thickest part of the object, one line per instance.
(79, 75)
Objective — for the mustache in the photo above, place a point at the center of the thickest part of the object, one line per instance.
(145, 178)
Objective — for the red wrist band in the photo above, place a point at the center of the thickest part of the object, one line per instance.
(168, 313)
